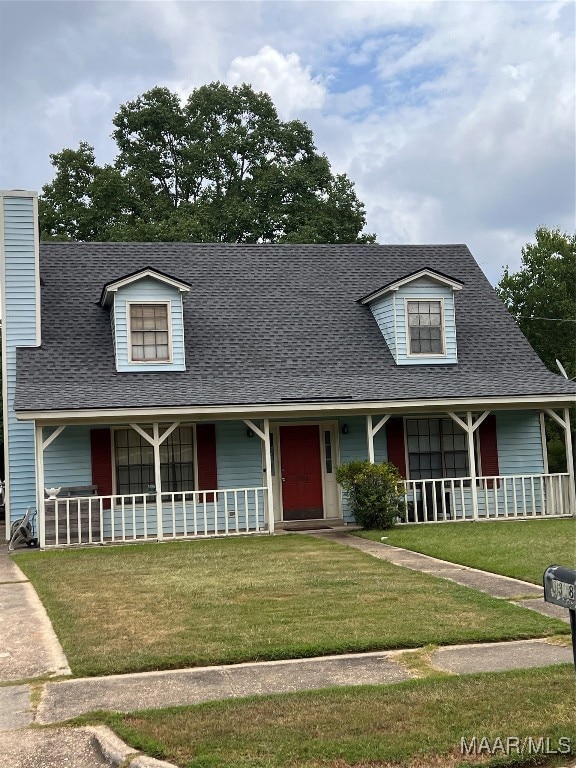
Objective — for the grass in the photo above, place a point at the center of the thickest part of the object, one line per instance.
(522, 549)
(416, 724)
(162, 606)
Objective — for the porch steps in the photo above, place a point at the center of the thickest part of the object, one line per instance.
(332, 523)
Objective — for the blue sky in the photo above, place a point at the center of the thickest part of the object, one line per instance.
(455, 120)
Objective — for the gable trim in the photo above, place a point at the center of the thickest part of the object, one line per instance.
(430, 273)
(110, 288)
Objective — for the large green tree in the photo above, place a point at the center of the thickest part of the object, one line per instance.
(222, 167)
(542, 297)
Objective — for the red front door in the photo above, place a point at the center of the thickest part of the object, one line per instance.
(301, 473)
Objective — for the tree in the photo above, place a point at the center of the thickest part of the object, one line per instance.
(542, 298)
(222, 167)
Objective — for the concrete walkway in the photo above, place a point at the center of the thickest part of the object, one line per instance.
(520, 593)
(30, 655)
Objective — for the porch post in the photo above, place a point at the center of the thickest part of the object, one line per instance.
(565, 424)
(371, 431)
(268, 465)
(370, 438)
(569, 461)
(472, 463)
(157, 480)
(470, 426)
(544, 445)
(41, 518)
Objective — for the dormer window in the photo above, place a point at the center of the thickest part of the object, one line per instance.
(425, 328)
(417, 317)
(149, 332)
(147, 319)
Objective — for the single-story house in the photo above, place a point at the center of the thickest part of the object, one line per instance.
(161, 390)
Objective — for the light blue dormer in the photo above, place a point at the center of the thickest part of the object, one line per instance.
(147, 318)
(417, 317)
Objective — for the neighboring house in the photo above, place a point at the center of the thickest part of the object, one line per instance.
(160, 390)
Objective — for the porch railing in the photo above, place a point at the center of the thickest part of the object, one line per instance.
(136, 517)
(502, 496)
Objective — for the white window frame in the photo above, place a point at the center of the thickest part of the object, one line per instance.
(420, 355)
(168, 304)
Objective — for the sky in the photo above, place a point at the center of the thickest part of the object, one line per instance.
(455, 120)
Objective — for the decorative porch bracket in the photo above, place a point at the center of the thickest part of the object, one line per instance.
(264, 435)
(156, 440)
(565, 424)
(371, 431)
(41, 446)
(470, 426)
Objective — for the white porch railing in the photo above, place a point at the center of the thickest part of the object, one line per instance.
(135, 517)
(502, 496)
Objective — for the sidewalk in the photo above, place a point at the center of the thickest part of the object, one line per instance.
(29, 649)
(521, 593)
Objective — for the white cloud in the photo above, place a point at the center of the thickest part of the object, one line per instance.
(291, 85)
(454, 119)
(67, 115)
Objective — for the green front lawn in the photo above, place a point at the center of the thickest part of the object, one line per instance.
(417, 724)
(160, 606)
(522, 549)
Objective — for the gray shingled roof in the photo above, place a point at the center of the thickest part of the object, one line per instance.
(268, 324)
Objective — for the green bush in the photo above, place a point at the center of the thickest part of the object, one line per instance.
(375, 492)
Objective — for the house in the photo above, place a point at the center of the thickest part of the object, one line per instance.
(169, 390)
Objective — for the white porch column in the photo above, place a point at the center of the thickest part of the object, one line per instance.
(156, 441)
(470, 426)
(544, 444)
(41, 446)
(158, 481)
(265, 437)
(41, 518)
(268, 465)
(472, 463)
(570, 461)
(565, 424)
(371, 431)
(370, 438)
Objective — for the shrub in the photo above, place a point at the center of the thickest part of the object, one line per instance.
(374, 491)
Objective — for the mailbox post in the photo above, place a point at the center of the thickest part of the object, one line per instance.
(560, 589)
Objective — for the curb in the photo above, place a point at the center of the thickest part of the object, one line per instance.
(120, 754)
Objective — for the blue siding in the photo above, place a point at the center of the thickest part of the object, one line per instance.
(354, 447)
(519, 443)
(68, 460)
(239, 457)
(423, 288)
(383, 311)
(148, 289)
(19, 243)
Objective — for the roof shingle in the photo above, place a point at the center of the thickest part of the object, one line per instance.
(268, 324)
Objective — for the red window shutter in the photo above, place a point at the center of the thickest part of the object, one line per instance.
(395, 443)
(206, 456)
(489, 448)
(101, 452)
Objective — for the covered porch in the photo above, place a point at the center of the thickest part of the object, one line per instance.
(242, 490)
